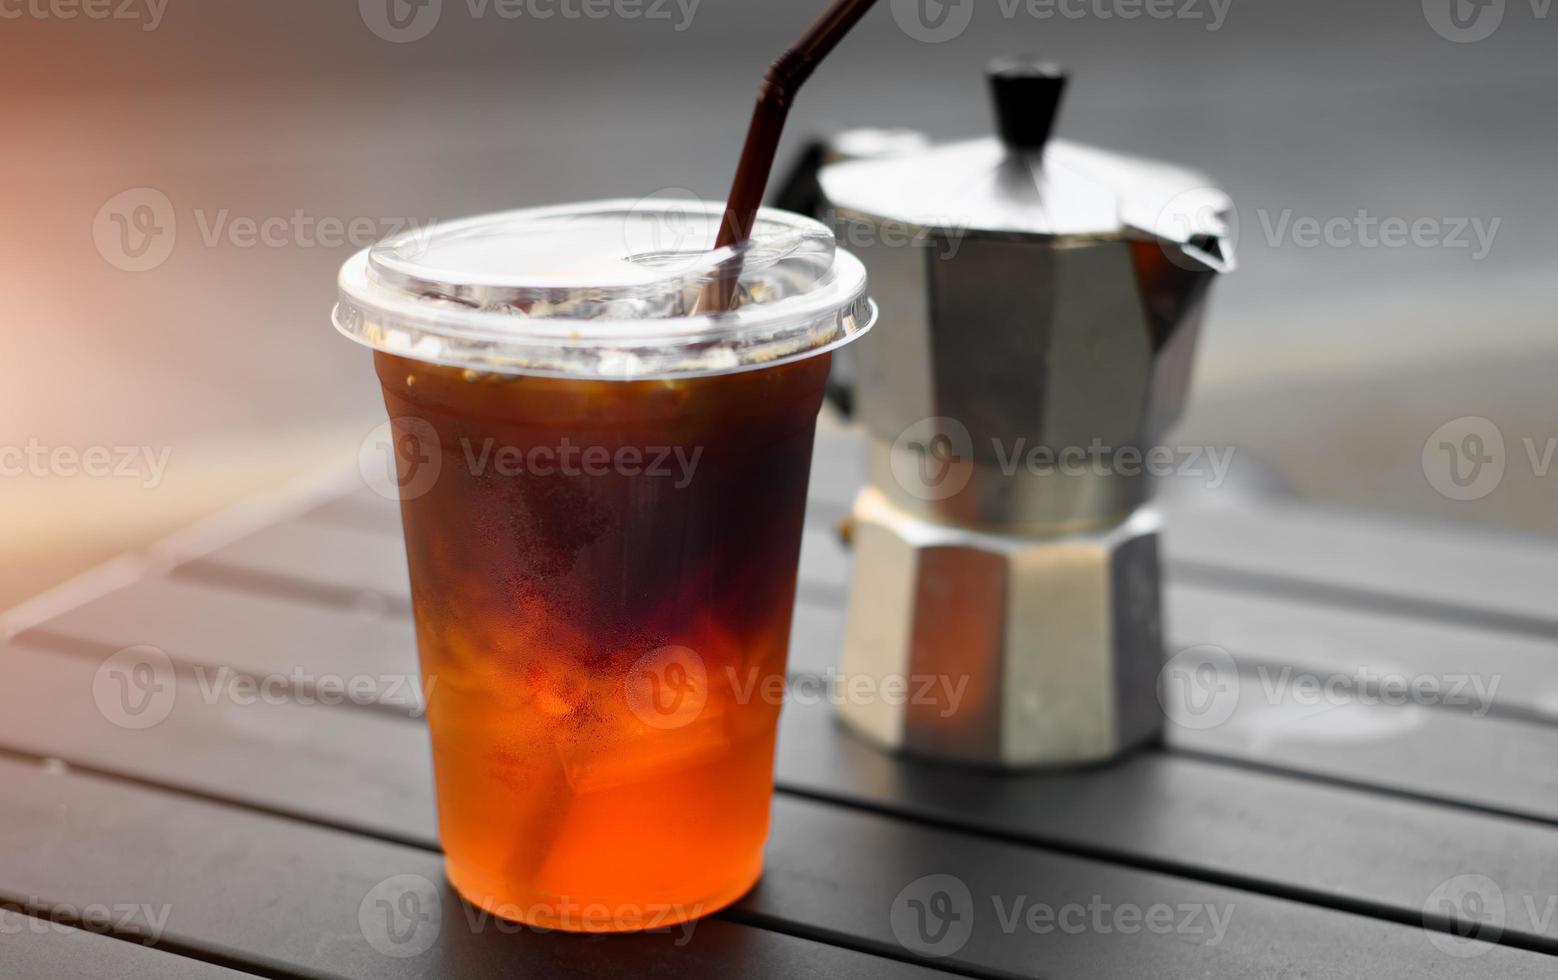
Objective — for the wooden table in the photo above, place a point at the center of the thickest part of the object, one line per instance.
(202, 829)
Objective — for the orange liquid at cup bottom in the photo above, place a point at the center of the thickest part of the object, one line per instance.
(601, 650)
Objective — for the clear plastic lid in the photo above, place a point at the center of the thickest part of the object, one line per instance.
(610, 290)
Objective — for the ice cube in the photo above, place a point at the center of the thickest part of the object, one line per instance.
(597, 764)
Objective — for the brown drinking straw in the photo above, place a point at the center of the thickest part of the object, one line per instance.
(780, 84)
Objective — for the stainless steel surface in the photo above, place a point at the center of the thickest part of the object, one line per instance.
(1010, 651)
(1030, 311)
(1019, 502)
(1023, 361)
(1066, 191)
(1040, 309)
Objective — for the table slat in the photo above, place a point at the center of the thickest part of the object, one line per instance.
(1195, 817)
(290, 897)
(1492, 763)
(1520, 672)
(1292, 546)
(263, 635)
(849, 871)
(365, 771)
(34, 948)
(834, 873)
(1266, 831)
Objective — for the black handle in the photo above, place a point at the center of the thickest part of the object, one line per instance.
(1027, 94)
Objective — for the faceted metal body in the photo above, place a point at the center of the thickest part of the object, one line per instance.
(1001, 549)
(1012, 651)
(1012, 352)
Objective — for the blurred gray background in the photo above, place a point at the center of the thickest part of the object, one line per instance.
(1334, 361)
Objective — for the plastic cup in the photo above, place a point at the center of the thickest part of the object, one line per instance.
(602, 492)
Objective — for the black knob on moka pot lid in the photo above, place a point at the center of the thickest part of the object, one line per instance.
(1028, 184)
(1027, 94)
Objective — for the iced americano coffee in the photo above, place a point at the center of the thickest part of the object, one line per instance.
(602, 488)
